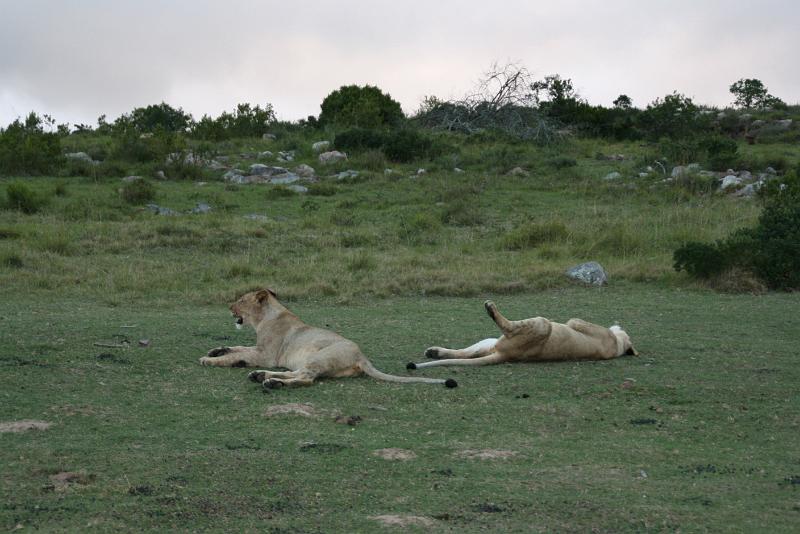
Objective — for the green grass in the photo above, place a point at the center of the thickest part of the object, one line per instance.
(696, 434)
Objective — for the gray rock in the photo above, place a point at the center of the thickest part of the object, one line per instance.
(344, 175)
(745, 117)
(256, 217)
(321, 146)
(160, 175)
(283, 179)
(234, 175)
(420, 172)
(693, 168)
(259, 169)
(286, 156)
(332, 157)
(747, 191)
(730, 181)
(518, 171)
(265, 155)
(268, 137)
(305, 171)
(129, 179)
(81, 156)
(298, 189)
(644, 174)
(160, 210)
(707, 174)
(746, 176)
(457, 170)
(202, 208)
(215, 165)
(678, 171)
(770, 170)
(612, 176)
(589, 273)
(758, 123)
(783, 125)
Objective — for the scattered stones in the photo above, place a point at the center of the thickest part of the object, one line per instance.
(320, 146)
(404, 521)
(612, 176)
(201, 208)
(590, 273)
(160, 210)
(394, 454)
(332, 157)
(344, 175)
(23, 425)
(81, 156)
(286, 156)
(485, 454)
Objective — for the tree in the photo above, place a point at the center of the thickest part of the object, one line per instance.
(623, 102)
(751, 93)
(364, 107)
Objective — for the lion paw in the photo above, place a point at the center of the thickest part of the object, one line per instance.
(432, 353)
(257, 376)
(272, 383)
(219, 351)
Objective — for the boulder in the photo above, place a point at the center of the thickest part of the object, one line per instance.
(305, 171)
(678, 171)
(129, 179)
(201, 207)
(298, 189)
(344, 175)
(747, 191)
(265, 155)
(81, 156)
(283, 179)
(746, 176)
(268, 137)
(160, 210)
(332, 157)
(518, 171)
(259, 169)
(783, 125)
(457, 170)
(320, 146)
(612, 176)
(591, 273)
(287, 155)
(730, 181)
(234, 175)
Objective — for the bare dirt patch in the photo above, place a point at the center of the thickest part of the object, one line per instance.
(403, 520)
(485, 454)
(22, 426)
(394, 454)
(65, 479)
(306, 409)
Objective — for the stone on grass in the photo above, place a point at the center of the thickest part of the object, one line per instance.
(256, 217)
(305, 171)
(591, 273)
(321, 146)
(129, 179)
(612, 176)
(730, 181)
(344, 175)
(80, 156)
(332, 157)
(298, 189)
(234, 175)
(518, 171)
(285, 178)
(160, 210)
(268, 137)
(201, 207)
(265, 155)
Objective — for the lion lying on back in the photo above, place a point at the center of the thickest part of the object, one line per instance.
(283, 340)
(536, 339)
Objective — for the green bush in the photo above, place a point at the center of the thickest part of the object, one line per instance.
(562, 162)
(154, 118)
(357, 139)
(721, 152)
(25, 147)
(138, 192)
(245, 121)
(771, 250)
(403, 146)
(365, 107)
(21, 197)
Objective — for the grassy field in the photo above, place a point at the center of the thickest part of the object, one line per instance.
(697, 434)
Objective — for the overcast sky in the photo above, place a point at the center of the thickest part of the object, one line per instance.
(79, 59)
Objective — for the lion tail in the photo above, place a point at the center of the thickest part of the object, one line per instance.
(370, 370)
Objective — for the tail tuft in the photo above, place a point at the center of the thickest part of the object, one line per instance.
(450, 383)
(411, 366)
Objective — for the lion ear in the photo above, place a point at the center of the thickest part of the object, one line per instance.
(263, 295)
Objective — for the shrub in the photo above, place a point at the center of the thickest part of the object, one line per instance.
(154, 118)
(365, 107)
(356, 139)
(245, 121)
(700, 260)
(721, 152)
(138, 192)
(674, 116)
(562, 162)
(25, 147)
(322, 190)
(403, 146)
(21, 197)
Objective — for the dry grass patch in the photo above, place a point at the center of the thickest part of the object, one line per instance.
(485, 454)
(394, 454)
(306, 409)
(403, 521)
(22, 426)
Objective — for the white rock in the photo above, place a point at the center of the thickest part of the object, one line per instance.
(730, 181)
(305, 171)
(612, 176)
(332, 157)
(321, 146)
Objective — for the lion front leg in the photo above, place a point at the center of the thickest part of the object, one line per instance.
(232, 357)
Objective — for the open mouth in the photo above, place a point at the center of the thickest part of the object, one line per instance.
(239, 320)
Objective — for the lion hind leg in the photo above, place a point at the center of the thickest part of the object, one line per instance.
(260, 375)
(231, 357)
(481, 348)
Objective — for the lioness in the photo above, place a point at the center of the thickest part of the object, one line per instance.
(283, 340)
(536, 339)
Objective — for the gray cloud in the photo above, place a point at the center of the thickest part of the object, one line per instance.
(77, 60)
